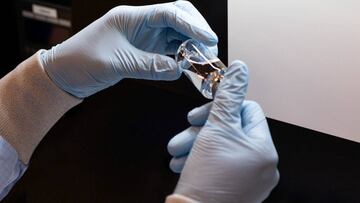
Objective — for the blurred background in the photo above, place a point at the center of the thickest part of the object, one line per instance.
(112, 147)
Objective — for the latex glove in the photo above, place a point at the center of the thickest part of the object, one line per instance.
(127, 42)
(233, 158)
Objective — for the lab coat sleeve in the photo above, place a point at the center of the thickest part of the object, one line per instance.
(30, 104)
(176, 198)
(11, 168)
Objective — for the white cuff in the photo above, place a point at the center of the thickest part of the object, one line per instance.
(176, 198)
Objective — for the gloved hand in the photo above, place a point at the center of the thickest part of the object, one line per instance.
(233, 158)
(127, 42)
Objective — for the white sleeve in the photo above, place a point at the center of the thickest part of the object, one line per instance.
(177, 198)
(11, 168)
(30, 104)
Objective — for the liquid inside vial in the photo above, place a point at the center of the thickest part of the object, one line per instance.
(205, 77)
(204, 72)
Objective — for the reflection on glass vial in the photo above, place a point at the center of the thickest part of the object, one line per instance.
(201, 66)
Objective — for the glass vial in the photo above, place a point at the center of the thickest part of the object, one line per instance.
(201, 66)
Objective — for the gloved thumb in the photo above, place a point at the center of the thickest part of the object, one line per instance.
(153, 66)
(231, 93)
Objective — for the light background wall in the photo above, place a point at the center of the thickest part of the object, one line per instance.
(304, 60)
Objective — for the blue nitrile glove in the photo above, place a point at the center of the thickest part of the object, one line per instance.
(232, 157)
(127, 42)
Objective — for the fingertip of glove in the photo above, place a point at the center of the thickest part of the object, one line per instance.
(174, 168)
(172, 147)
(177, 164)
(204, 34)
(190, 115)
(195, 117)
(237, 71)
(239, 64)
(210, 38)
(213, 39)
(232, 90)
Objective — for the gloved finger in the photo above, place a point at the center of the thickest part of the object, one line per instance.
(172, 35)
(251, 115)
(174, 40)
(254, 121)
(182, 143)
(152, 66)
(183, 21)
(172, 47)
(177, 164)
(214, 49)
(199, 115)
(190, 8)
(231, 94)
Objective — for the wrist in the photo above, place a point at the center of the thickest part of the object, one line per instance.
(48, 61)
(79, 72)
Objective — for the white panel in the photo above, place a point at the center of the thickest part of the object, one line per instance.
(304, 60)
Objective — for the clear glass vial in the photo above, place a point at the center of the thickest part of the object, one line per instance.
(201, 66)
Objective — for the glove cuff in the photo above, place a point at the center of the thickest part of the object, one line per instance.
(30, 104)
(176, 198)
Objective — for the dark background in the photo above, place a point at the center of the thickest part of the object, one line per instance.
(112, 147)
